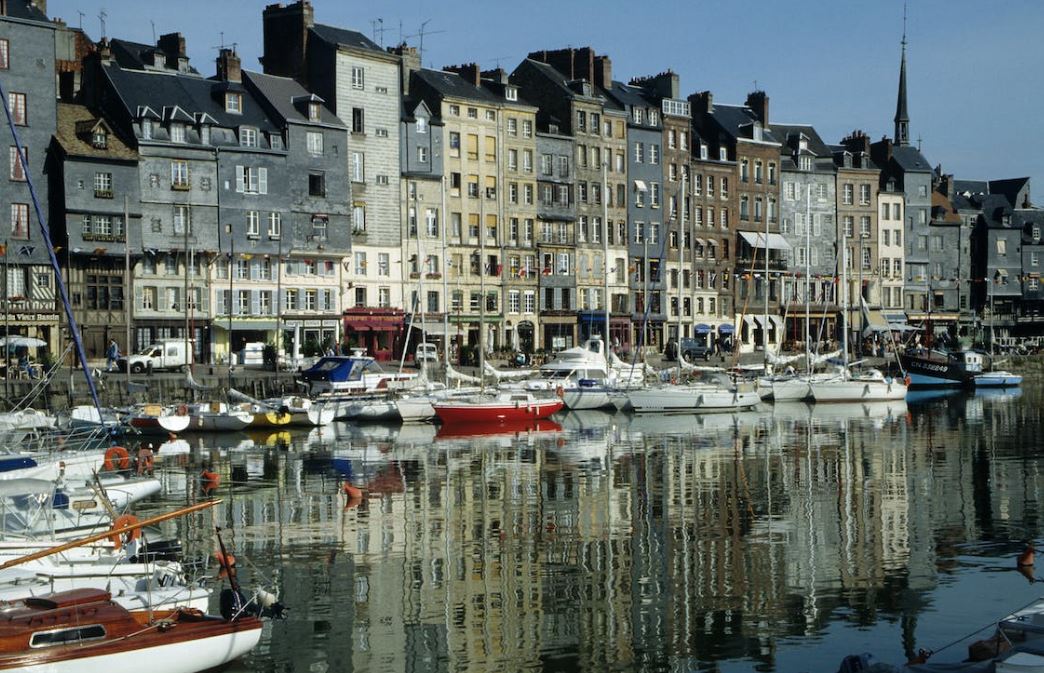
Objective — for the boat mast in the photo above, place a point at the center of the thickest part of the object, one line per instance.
(681, 259)
(808, 280)
(765, 326)
(605, 254)
(482, 278)
(844, 303)
(129, 293)
(445, 282)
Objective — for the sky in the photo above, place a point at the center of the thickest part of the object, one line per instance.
(973, 68)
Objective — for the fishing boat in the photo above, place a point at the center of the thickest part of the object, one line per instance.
(940, 369)
(501, 407)
(85, 630)
(156, 419)
(218, 417)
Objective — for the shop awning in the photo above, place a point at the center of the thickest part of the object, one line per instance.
(702, 329)
(749, 319)
(245, 324)
(640, 186)
(777, 321)
(757, 240)
(371, 325)
(726, 329)
(875, 322)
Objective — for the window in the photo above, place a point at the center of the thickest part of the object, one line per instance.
(358, 167)
(757, 172)
(922, 190)
(654, 195)
(146, 129)
(472, 113)
(18, 166)
(20, 221)
(233, 102)
(317, 184)
(248, 137)
(864, 195)
(179, 174)
(357, 120)
(253, 224)
(654, 153)
(527, 161)
(864, 226)
(17, 103)
(320, 225)
(70, 636)
(527, 128)
(5, 51)
(275, 225)
(358, 77)
(848, 194)
(251, 180)
(103, 185)
(177, 133)
(314, 143)
(182, 220)
(358, 219)
(1002, 247)
(805, 163)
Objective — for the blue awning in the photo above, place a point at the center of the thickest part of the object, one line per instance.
(702, 329)
(726, 329)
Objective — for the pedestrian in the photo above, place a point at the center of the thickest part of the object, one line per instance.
(112, 355)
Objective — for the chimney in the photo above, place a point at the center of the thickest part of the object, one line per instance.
(758, 102)
(173, 46)
(702, 103)
(285, 32)
(40, 5)
(469, 71)
(603, 72)
(573, 63)
(228, 66)
(497, 75)
(665, 84)
(409, 62)
(946, 185)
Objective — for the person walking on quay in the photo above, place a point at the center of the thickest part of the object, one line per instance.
(112, 355)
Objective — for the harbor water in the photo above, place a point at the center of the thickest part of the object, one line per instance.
(777, 540)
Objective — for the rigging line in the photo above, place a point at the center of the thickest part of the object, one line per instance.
(74, 329)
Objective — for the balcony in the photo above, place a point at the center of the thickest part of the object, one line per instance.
(180, 186)
(759, 264)
(103, 193)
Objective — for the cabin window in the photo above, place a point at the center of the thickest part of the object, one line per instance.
(67, 636)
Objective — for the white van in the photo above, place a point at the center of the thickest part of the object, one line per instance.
(426, 352)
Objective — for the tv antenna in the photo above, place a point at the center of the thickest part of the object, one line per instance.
(81, 18)
(101, 17)
(420, 34)
(378, 30)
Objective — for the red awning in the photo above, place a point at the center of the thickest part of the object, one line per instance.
(371, 325)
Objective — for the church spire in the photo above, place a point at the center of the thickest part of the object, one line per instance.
(902, 118)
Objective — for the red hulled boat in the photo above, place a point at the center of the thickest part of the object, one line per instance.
(501, 408)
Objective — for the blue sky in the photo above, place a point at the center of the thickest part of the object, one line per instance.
(974, 68)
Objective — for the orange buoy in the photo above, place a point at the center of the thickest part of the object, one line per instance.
(1027, 556)
(116, 457)
(121, 522)
(211, 480)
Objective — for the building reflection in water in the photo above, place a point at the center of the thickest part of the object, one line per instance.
(616, 541)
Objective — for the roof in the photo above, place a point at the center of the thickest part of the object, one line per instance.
(628, 95)
(23, 9)
(994, 208)
(452, 85)
(943, 211)
(345, 37)
(1009, 188)
(191, 93)
(910, 159)
(281, 93)
(78, 144)
(733, 118)
(787, 134)
(971, 186)
(139, 56)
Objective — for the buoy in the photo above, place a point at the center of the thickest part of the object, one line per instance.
(183, 410)
(560, 391)
(116, 456)
(1027, 556)
(211, 480)
(352, 492)
(123, 521)
(906, 380)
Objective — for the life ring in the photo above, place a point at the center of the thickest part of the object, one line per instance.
(116, 457)
(560, 392)
(121, 522)
(146, 461)
(183, 410)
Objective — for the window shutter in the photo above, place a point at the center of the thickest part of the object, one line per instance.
(255, 302)
(255, 270)
(240, 179)
(139, 298)
(262, 177)
(220, 302)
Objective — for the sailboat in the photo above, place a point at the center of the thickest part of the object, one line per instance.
(868, 385)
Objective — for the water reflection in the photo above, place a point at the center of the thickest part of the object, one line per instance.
(776, 540)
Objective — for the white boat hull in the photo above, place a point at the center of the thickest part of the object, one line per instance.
(221, 422)
(691, 400)
(189, 656)
(415, 409)
(997, 380)
(855, 390)
(577, 399)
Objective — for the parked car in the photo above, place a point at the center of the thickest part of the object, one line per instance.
(169, 354)
(426, 352)
(695, 349)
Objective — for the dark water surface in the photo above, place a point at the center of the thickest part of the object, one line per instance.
(772, 541)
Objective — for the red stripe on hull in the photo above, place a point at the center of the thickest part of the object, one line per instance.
(473, 413)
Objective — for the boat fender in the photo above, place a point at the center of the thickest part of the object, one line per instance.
(1027, 557)
(146, 460)
(183, 410)
(122, 521)
(353, 493)
(906, 380)
(211, 480)
(116, 457)
(560, 392)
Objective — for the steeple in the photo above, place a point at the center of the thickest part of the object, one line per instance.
(902, 118)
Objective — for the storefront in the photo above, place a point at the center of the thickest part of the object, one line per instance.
(559, 332)
(464, 337)
(308, 335)
(147, 332)
(378, 330)
(591, 323)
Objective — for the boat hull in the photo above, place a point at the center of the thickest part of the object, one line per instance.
(415, 409)
(578, 399)
(858, 391)
(270, 419)
(462, 412)
(160, 425)
(220, 422)
(926, 372)
(682, 400)
(997, 380)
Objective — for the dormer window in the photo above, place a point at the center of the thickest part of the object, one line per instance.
(805, 162)
(654, 117)
(313, 111)
(146, 129)
(1036, 234)
(723, 154)
(1006, 220)
(247, 136)
(233, 102)
(703, 151)
(636, 115)
(803, 144)
(177, 132)
(422, 125)
(511, 93)
(99, 139)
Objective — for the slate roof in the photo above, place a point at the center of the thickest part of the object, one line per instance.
(23, 9)
(943, 211)
(783, 133)
(78, 144)
(452, 85)
(732, 118)
(138, 55)
(280, 94)
(994, 207)
(972, 186)
(630, 95)
(343, 36)
(1009, 188)
(910, 159)
(191, 93)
